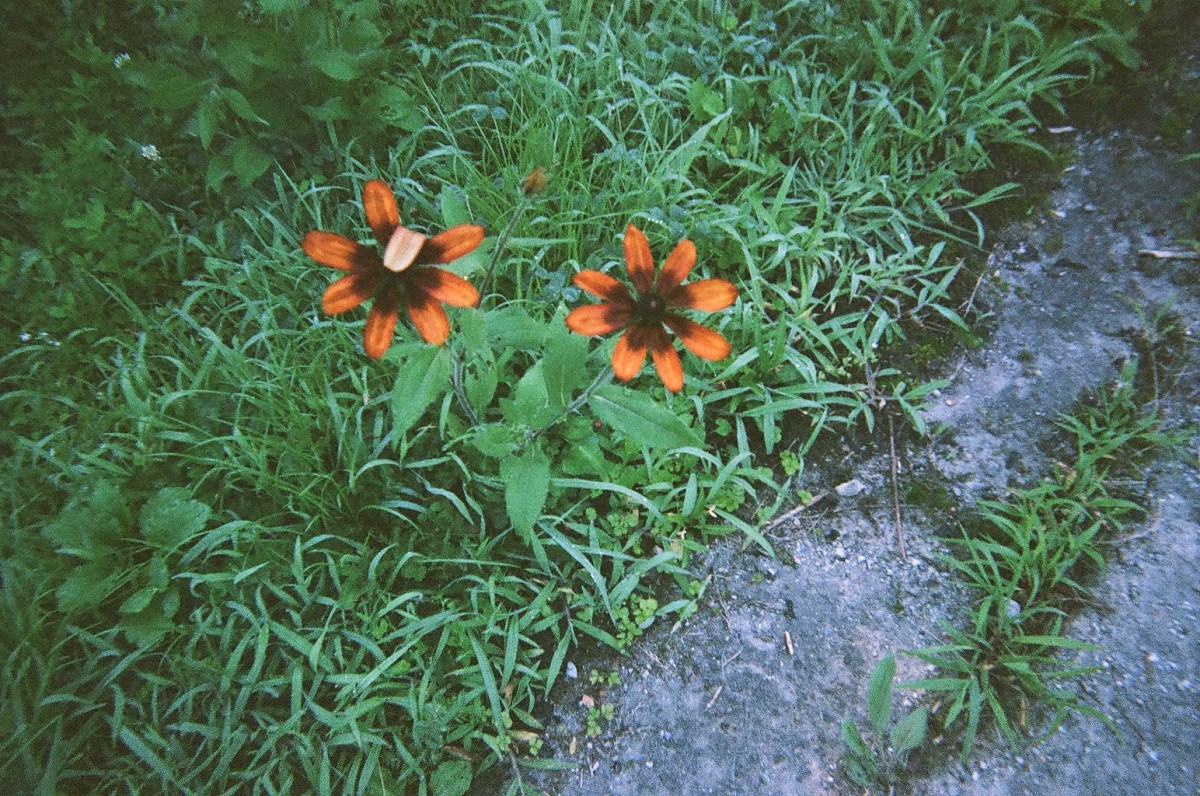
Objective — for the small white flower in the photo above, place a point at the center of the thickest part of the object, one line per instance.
(120, 60)
(150, 153)
(26, 337)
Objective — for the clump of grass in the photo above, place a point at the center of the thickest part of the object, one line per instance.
(1031, 558)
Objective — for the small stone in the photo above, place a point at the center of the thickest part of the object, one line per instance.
(572, 671)
(850, 489)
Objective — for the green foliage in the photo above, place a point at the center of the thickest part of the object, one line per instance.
(321, 574)
(1029, 559)
(882, 763)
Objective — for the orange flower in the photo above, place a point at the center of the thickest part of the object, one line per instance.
(643, 317)
(401, 277)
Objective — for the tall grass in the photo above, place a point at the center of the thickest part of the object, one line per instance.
(240, 558)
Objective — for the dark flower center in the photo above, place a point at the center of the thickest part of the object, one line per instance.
(650, 308)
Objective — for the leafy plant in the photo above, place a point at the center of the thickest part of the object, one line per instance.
(882, 762)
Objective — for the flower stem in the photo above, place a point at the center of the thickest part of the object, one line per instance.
(602, 378)
(458, 368)
(500, 243)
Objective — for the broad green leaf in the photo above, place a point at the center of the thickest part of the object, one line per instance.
(454, 208)
(530, 400)
(423, 377)
(494, 439)
(909, 732)
(879, 694)
(641, 419)
(451, 778)
(249, 160)
(86, 587)
(90, 526)
(146, 627)
(564, 351)
(338, 64)
(526, 487)
(171, 517)
(137, 602)
(703, 102)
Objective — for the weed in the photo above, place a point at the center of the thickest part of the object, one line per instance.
(881, 763)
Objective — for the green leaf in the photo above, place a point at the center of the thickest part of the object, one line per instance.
(91, 525)
(526, 487)
(564, 351)
(879, 694)
(137, 602)
(146, 627)
(496, 440)
(639, 418)
(454, 208)
(399, 108)
(530, 403)
(249, 160)
(171, 517)
(423, 377)
(451, 778)
(86, 587)
(909, 732)
(703, 102)
(338, 64)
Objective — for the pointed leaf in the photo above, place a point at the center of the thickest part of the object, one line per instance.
(879, 694)
(526, 487)
(423, 377)
(640, 418)
(909, 732)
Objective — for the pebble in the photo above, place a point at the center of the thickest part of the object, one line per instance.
(850, 489)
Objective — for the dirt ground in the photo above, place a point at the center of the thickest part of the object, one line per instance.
(747, 696)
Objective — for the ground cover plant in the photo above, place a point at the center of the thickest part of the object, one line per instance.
(252, 547)
(1030, 558)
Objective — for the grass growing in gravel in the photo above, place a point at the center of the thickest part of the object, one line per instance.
(1030, 557)
(240, 557)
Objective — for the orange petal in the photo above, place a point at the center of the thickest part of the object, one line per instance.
(350, 291)
(598, 318)
(707, 295)
(379, 204)
(381, 323)
(602, 285)
(445, 286)
(630, 352)
(337, 252)
(700, 340)
(638, 259)
(666, 360)
(429, 317)
(451, 244)
(677, 266)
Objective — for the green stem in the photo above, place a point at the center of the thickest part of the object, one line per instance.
(602, 378)
(458, 368)
(500, 244)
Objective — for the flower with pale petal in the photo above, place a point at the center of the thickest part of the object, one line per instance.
(647, 316)
(404, 276)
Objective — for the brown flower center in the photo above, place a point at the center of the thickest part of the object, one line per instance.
(650, 308)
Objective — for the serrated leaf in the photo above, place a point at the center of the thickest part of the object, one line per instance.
(86, 587)
(451, 778)
(909, 732)
(526, 487)
(879, 694)
(91, 525)
(642, 419)
(171, 517)
(147, 627)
